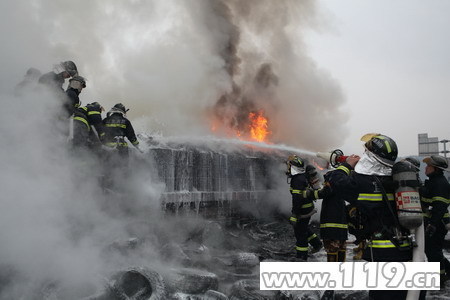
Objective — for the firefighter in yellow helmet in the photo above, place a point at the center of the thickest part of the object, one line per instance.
(371, 189)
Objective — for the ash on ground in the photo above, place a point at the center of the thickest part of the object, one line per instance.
(216, 259)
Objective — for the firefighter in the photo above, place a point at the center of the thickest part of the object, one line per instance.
(302, 206)
(54, 80)
(435, 197)
(87, 126)
(333, 223)
(29, 82)
(76, 85)
(116, 127)
(371, 189)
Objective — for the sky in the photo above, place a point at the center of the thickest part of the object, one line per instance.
(391, 59)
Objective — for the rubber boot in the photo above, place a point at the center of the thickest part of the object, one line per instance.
(332, 257)
(316, 244)
(341, 255)
(302, 256)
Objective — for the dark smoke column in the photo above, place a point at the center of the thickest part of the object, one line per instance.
(270, 72)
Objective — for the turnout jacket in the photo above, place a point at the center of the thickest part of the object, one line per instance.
(115, 128)
(333, 214)
(302, 197)
(90, 117)
(435, 198)
(53, 81)
(379, 217)
(72, 101)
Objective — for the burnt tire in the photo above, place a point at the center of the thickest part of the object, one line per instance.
(301, 295)
(215, 295)
(209, 295)
(238, 274)
(351, 295)
(245, 259)
(249, 289)
(192, 281)
(137, 284)
(239, 259)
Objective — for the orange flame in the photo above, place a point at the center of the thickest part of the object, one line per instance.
(255, 129)
(317, 165)
(258, 126)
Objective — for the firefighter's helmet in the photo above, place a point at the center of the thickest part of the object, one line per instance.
(70, 67)
(384, 148)
(95, 106)
(120, 107)
(77, 82)
(296, 161)
(414, 161)
(437, 161)
(33, 73)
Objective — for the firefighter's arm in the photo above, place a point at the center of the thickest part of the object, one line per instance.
(95, 119)
(131, 135)
(312, 194)
(440, 199)
(342, 182)
(439, 208)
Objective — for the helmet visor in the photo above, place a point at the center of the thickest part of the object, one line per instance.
(367, 137)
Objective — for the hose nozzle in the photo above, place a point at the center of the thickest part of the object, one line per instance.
(335, 157)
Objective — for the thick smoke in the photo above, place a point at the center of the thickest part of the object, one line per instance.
(261, 45)
(180, 66)
(176, 65)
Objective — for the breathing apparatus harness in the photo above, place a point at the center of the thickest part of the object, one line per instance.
(395, 232)
(409, 213)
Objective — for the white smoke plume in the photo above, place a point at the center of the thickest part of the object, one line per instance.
(169, 62)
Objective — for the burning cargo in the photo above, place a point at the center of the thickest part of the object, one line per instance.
(218, 177)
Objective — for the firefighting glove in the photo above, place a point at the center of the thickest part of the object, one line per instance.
(430, 230)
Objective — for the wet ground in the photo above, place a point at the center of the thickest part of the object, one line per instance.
(220, 260)
(203, 260)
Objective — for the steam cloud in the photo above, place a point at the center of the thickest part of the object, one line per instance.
(176, 65)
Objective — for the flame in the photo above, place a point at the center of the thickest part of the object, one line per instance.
(317, 165)
(258, 126)
(254, 128)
